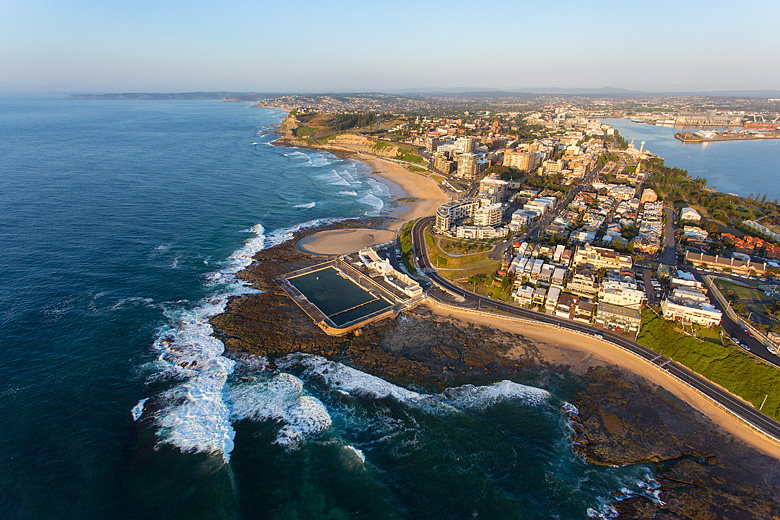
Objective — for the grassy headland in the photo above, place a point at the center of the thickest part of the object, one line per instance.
(738, 372)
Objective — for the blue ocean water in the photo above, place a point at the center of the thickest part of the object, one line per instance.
(122, 225)
(741, 167)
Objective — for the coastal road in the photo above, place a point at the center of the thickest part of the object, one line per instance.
(466, 299)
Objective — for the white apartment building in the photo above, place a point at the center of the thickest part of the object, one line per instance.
(523, 295)
(690, 306)
(465, 144)
(480, 232)
(620, 293)
(493, 187)
(451, 213)
(467, 165)
(488, 215)
(599, 257)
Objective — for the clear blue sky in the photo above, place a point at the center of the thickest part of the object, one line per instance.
(167, 46)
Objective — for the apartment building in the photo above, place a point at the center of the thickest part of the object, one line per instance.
(451, 213)
(598, 257)
(690, 306)
(488, 215)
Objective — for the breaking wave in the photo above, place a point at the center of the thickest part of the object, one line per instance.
(281, 398)
(194, 415)
(357, 383)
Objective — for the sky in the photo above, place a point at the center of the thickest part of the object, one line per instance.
(307, 46)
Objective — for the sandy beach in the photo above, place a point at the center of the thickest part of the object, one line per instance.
(424, 193)
(415, 196)
(581, 352)
(343, 241)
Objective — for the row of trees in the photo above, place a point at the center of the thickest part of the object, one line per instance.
(358, 120)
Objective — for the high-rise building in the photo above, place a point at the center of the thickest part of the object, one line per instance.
(467, 165)
(493, 187)
(465, 144)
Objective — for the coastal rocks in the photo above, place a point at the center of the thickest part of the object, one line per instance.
(704, 473)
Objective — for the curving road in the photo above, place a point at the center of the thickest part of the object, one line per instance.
(452, 294)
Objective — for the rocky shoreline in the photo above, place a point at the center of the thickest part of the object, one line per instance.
(704, 472)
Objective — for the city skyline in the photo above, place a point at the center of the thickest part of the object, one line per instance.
(308, 47)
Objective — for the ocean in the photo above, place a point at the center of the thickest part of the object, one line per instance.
(124, 224)
(740, 167)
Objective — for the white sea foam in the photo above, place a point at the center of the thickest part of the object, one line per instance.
(334, 179)
(194, 416)
(605, 511)
(347, 379)
(350, 174)
(373, 197)
(133, 300)
(138, 409)
(469, 396)
(308, 205)
(357, 452)
(369, 199)
(570, 409)
(298, 155)
(282, 235)
(281, 398)
(319, 159)
(348, 193)
(357, 383)
(242, 258)
(377, 188)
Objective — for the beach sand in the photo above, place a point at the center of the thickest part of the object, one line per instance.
(343, 241)
(415, 196)
(564, 347)
(423, 193)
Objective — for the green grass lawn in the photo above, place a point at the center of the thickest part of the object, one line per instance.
(461, 267)
(406, 247)
(304, 131)
(740, 373)
(742, 292)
